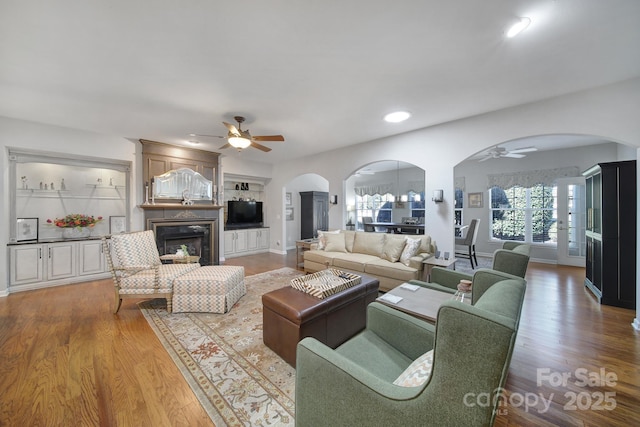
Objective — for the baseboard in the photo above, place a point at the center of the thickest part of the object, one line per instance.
(279, 252)
(636, 324)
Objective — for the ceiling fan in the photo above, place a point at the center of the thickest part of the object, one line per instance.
(240, 139)
(498, 152)
(365, 171)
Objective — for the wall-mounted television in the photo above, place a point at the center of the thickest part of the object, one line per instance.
(244, 214)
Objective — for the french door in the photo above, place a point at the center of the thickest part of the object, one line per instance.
(571, 221)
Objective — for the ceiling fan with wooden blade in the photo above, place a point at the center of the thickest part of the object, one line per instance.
(240, 139)
(498, 152)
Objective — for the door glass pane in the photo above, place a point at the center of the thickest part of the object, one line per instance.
(576, 220)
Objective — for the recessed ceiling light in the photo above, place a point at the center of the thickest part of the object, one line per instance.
(397, 117)
(518, 27)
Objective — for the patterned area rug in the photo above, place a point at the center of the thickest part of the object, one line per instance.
(237, 379)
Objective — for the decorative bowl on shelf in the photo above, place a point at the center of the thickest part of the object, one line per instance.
(76, 232)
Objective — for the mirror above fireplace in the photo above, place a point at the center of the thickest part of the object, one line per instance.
(175, 184)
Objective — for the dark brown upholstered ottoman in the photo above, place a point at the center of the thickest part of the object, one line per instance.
(290, 315)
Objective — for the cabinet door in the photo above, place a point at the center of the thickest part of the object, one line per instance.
(26, 264)
(241, 241)
(61, 260)
(263, 238)
(252, 239)
(90, 257)
(229, 242)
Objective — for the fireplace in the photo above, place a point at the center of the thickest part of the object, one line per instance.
(197, 235)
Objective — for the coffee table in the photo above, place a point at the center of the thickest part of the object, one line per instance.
(422, 303)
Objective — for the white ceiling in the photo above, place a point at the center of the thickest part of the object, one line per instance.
(321, 73)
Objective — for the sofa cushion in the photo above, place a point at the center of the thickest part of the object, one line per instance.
(334, 243)
(418, 372)
(349, 237)
(354, 261)
(369, 243)
(321, 257)
(395, 270)
(393, 246)
(410, 249)
(322, 241)
(425, 245)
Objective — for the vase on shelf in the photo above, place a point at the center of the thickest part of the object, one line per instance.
(76, 232)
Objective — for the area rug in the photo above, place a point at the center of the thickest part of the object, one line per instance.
(236, 378)
(463, 265)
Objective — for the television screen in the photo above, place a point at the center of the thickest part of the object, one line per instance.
(241, 213)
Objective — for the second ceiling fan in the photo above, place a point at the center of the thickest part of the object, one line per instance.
(240, 139)
(498, 152)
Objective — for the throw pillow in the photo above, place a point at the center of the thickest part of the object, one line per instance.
(335, 242)
(393, 247)
(322, 241)
(418, 372)
(410, 250)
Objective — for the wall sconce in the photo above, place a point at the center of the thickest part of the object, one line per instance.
(438, 196)
(334, 199)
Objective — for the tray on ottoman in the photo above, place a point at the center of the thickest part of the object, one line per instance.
(326, 282)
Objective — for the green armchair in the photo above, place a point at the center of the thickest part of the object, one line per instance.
(472, 346)
(445, 280)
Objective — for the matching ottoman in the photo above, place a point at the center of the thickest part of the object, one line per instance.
(212, 289)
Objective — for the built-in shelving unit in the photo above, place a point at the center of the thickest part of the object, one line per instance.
(45, 186)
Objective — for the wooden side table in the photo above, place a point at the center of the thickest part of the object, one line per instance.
(301, 247)
(431, 262)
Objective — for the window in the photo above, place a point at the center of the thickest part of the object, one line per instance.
(457, 210)
(524, 214)
(416, 204)
(376, 206)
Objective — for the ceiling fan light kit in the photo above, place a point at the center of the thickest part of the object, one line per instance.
(241, 139)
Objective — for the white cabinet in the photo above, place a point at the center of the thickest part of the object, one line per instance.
(61, 260)
(245, 242)
(91, 258)
(26, 264)
(258, 239)
(34, 266)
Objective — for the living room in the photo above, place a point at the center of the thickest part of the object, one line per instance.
(605, 108)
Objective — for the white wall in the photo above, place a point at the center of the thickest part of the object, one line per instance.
(610, 112)
(306, 182)
(37, 136)
(475, 174)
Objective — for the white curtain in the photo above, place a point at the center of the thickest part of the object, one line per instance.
(372, 190)
(528, 179)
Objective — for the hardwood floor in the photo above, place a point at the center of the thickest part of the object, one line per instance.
(65, 359)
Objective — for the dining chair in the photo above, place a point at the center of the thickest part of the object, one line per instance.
(368, 220)
(469, 240)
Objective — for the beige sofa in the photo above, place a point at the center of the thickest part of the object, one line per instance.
(391, 258)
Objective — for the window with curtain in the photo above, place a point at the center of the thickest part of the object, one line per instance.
(525, 214)
(376, 206)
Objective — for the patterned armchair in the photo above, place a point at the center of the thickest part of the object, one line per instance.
(136, 268)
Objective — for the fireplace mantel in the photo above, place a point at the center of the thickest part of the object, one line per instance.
(179, 206)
